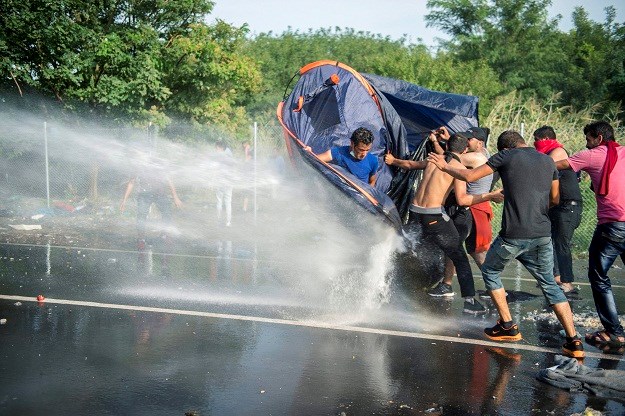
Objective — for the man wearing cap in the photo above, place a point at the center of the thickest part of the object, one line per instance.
(567, 215)
(428, 216)
(525, 231)
(481, 234)
(473, 222)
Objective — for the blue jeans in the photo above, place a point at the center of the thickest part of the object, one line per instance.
(607, 243)
(536, 254)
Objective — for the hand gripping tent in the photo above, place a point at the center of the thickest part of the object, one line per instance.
(331, 100)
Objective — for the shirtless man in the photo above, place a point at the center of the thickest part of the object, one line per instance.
(472, 222)
(530, 180)
(427, 212)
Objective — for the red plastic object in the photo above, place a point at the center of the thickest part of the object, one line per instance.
(40, 298)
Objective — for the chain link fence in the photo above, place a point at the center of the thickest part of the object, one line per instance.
(47, 166)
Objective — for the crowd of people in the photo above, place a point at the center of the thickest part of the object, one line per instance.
(451, 210)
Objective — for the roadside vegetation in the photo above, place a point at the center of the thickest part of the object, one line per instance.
(160, 63)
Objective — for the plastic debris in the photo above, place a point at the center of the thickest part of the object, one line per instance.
(40, 298)
(25, 227)
(37, 216)
(3, 321)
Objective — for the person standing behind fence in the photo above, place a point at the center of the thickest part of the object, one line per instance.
(153, 187)
(567, 215)
(530, 183)
(604, 161)
(224, 189)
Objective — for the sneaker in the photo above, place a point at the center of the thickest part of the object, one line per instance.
(474, 308)
(441, 290)
(499, 333)
(574, 348)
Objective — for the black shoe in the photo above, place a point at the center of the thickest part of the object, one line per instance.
(572, 294)
(574, 348)
(474, 308)
(441, 290)
(499, 333)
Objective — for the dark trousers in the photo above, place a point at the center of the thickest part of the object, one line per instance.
(442, 233)
(565, 218)
(463, 221)
(608, 242)
(144, 200)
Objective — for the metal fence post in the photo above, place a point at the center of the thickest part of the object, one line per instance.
(255, 169)
(45, 140)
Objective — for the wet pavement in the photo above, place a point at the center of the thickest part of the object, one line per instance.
(228, 329)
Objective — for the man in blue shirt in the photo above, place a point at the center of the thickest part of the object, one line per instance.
(355, 158)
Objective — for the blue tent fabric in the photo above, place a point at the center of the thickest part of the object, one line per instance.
(321, 113)
(422, 110)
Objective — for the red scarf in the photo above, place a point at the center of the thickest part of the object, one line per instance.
(608, 165)
(545, 146)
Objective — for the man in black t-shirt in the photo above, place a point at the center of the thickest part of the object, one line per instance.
(530, 182)
(567, 215)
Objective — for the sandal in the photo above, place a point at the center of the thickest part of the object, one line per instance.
(610, 349)
(605, 338)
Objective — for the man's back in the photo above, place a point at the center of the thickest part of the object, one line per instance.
(610, 207)
(527, 177)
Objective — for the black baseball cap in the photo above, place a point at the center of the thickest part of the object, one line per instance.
(476, 132)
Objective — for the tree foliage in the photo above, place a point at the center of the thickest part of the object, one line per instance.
(530, 54)
(281, 56)
(159, 61)
(131, 59)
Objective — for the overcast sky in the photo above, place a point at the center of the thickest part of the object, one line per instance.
(392, 18)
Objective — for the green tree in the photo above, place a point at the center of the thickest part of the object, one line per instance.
(146, 61)
(597, 55)
(530, 54)
(515, 38)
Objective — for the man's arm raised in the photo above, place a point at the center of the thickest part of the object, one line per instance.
(391, 160)
(324, 157)
(467, 175)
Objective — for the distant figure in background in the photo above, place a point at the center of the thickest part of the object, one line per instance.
(567, 215)
(247, 158)
(278, 167)
(604, 161)
(224, 190)
(355, 158)
(154, 186)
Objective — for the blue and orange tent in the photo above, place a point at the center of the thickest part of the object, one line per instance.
(330, 100)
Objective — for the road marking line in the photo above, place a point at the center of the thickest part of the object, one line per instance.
(156, 253)
(310, 324)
